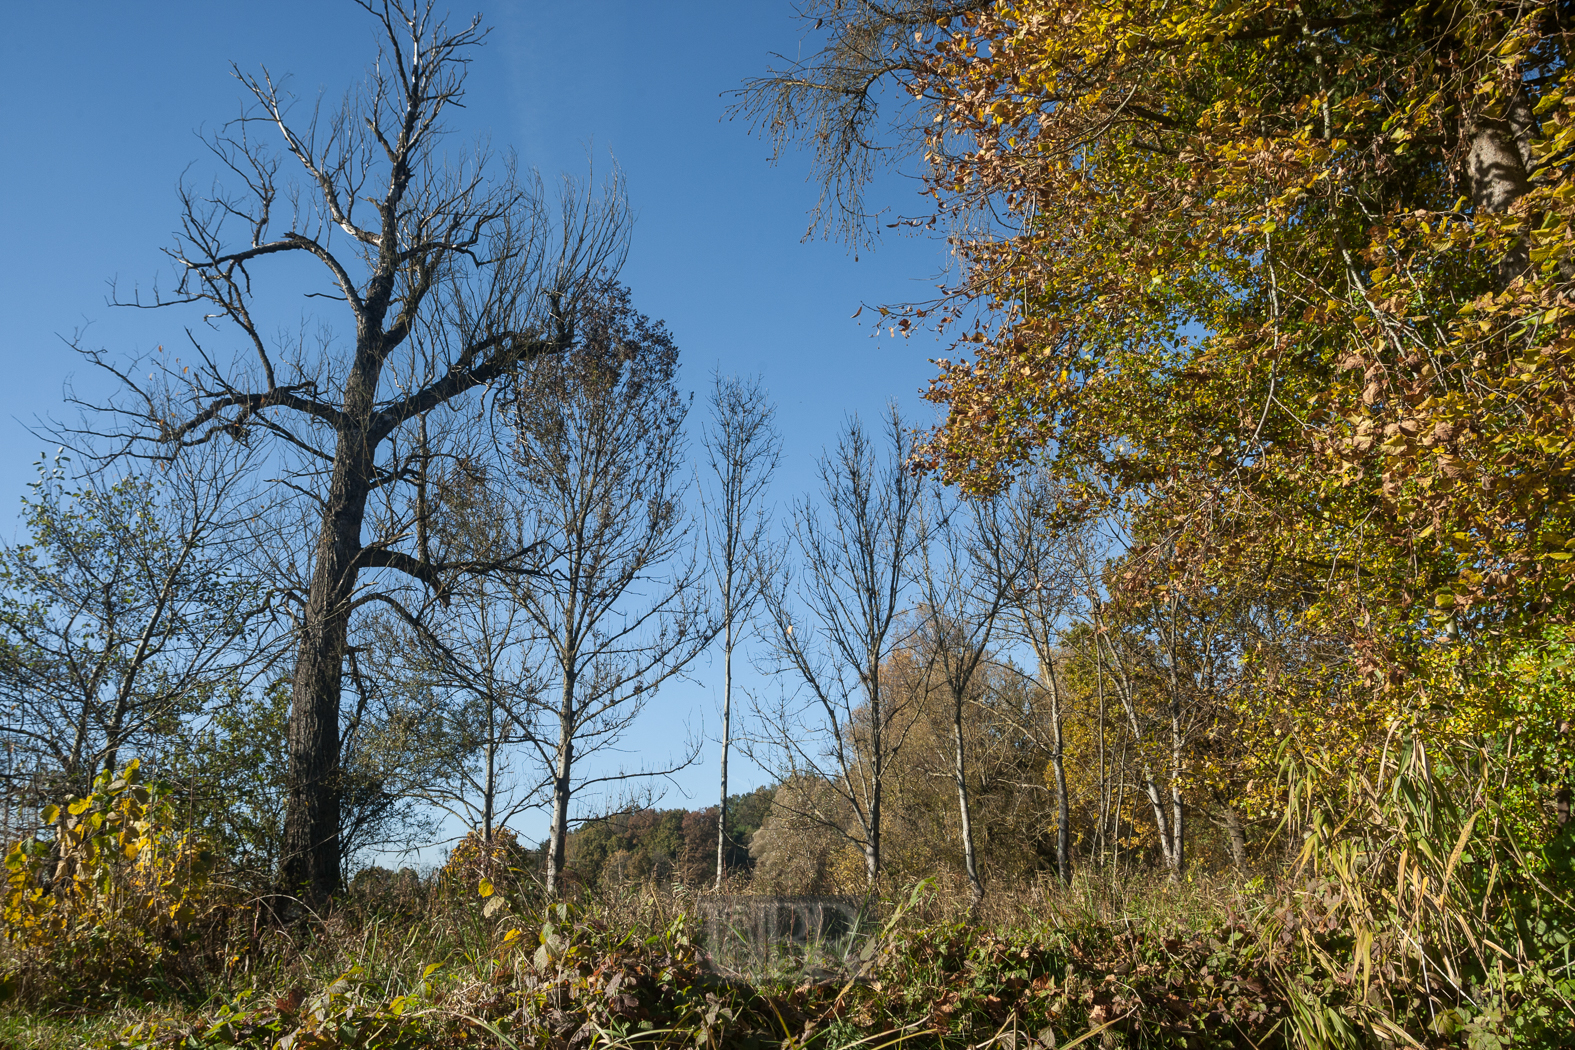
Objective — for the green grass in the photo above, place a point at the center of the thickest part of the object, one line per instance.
(24, 1030)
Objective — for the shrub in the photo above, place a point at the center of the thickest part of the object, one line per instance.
(108, 894)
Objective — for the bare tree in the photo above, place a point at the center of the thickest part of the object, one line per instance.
(967, 574)
(856, 557)
(868, 57)
(613, 594)
(449, 272)
(1035, 555)
(742, 449)
(121, 615)
(474, 664)
(1123, 656)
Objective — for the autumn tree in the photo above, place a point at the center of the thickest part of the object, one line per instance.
(123, 614)
(445, 270)
(1290, 281)
(1287, 285)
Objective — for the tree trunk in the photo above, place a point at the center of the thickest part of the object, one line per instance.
(1235, 839)
(1167, 838)
(311, 824)
(1178, 839)
(310, 863)
(117, 724)
(872, 845)
(1498, 154)
(491, 780)
(960, 774)
(727, 716)
(1103, 845)
(310, 867)
(1121, 802)
(560, 789)
(1063, 822)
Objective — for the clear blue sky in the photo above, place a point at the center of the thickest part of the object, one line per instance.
(102, 102)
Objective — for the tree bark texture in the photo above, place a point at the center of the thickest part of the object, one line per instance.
(311, 864)
(1498, 159)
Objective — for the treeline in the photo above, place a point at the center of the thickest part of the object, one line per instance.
(952, 691)
(1282, 300)
(1217, 563)
(1247, 542)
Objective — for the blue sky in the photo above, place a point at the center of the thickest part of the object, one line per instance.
(103, 101)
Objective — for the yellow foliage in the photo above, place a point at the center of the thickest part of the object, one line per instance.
(111, 886)
(474, 864)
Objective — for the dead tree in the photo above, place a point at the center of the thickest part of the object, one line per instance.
(446, 272)
(856, 557)
(742, 448)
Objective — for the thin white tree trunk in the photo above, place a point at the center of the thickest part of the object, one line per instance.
(727, 716)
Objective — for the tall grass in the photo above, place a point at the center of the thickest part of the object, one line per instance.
(1416, 914)
(1447, 916)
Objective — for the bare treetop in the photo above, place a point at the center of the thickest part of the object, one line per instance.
(831, 102)
(460, 264)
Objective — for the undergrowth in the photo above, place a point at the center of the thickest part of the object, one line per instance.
(1413, 917)
(1131, 962)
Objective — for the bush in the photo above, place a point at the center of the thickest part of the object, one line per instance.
(109, 896)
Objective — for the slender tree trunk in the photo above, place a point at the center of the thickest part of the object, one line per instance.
(1115, 822)
(1150, 786)
(1177, 860)
(1063, 821)
(960, 774)
(878, 765)
(1235, 839)
(1166, 840)
(727, 725)
(491, 779)
(1103, 845)
(128, 681)
(1178, 830)
(117, 726)
(561, 788)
